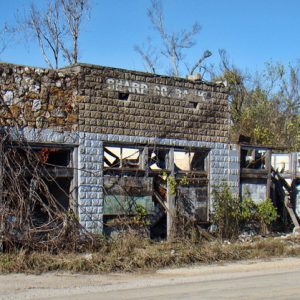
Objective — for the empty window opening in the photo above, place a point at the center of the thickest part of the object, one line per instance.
(123, 96)
(194, 104)
(57, 156)
(281, 162)
(190, 161)
(253, 158)
(158, 159)
(43, 176)
(122, 157)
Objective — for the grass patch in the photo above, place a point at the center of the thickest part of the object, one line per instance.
(131, 253)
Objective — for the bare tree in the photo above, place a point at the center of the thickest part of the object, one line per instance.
(74, 12)
(57, 29)
(6, 34)
(173, 44)
(148, 55)
(48, 29)
(283, 84)
(2, 40)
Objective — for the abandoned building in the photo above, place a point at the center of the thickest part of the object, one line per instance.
(116, 139)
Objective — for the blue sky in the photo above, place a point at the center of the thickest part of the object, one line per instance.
(252, 32)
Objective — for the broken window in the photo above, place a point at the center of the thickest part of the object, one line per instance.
(281, 162)
(122, 157)
(158, 159)
(253, 158)
(192, 190)
(39, 176)
(126, 188)
(123, 195)
(190, 161)
(137, 176)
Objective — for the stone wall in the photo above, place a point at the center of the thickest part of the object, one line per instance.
(132, 103)
(90, 196)
(38, 98)
(113, 101)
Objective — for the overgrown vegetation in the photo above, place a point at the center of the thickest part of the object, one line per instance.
(61, 243)
(31, 217)
(130, 252)
(231, 215)
(267, 214)
(226, 212)
(264, 105)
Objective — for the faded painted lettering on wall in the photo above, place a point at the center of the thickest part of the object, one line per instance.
(142, 88)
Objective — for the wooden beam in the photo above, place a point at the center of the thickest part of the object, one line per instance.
(254, 173)
(269, 170)
(62, 172)
(110, 153)
(107, 161)
(293, 165)
(160, 200)
(290, 210)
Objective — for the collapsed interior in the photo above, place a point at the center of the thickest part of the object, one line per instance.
(271, 175)
(141, 176)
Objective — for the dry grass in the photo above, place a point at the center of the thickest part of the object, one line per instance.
(131, 253)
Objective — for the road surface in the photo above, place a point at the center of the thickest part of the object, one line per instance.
(274, 279)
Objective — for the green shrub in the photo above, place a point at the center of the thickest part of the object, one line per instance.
(226, 215)
(141, 217)
(248, 210)
(267, 212)
(172, 184)
(231, 215)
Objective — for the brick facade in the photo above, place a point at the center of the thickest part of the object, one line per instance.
(150, 114)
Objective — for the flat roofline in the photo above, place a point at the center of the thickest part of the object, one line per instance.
(21, 65)
(142, 73)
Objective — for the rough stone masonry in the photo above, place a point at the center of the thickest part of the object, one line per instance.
(86, 106)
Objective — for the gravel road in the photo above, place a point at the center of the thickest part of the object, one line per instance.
(274, 279)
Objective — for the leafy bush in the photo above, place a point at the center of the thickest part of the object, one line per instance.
(249, 215)
(248, 210)
(267, 212)
(230, 214)
(141, 217)
(226, 214)
(172, 184)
